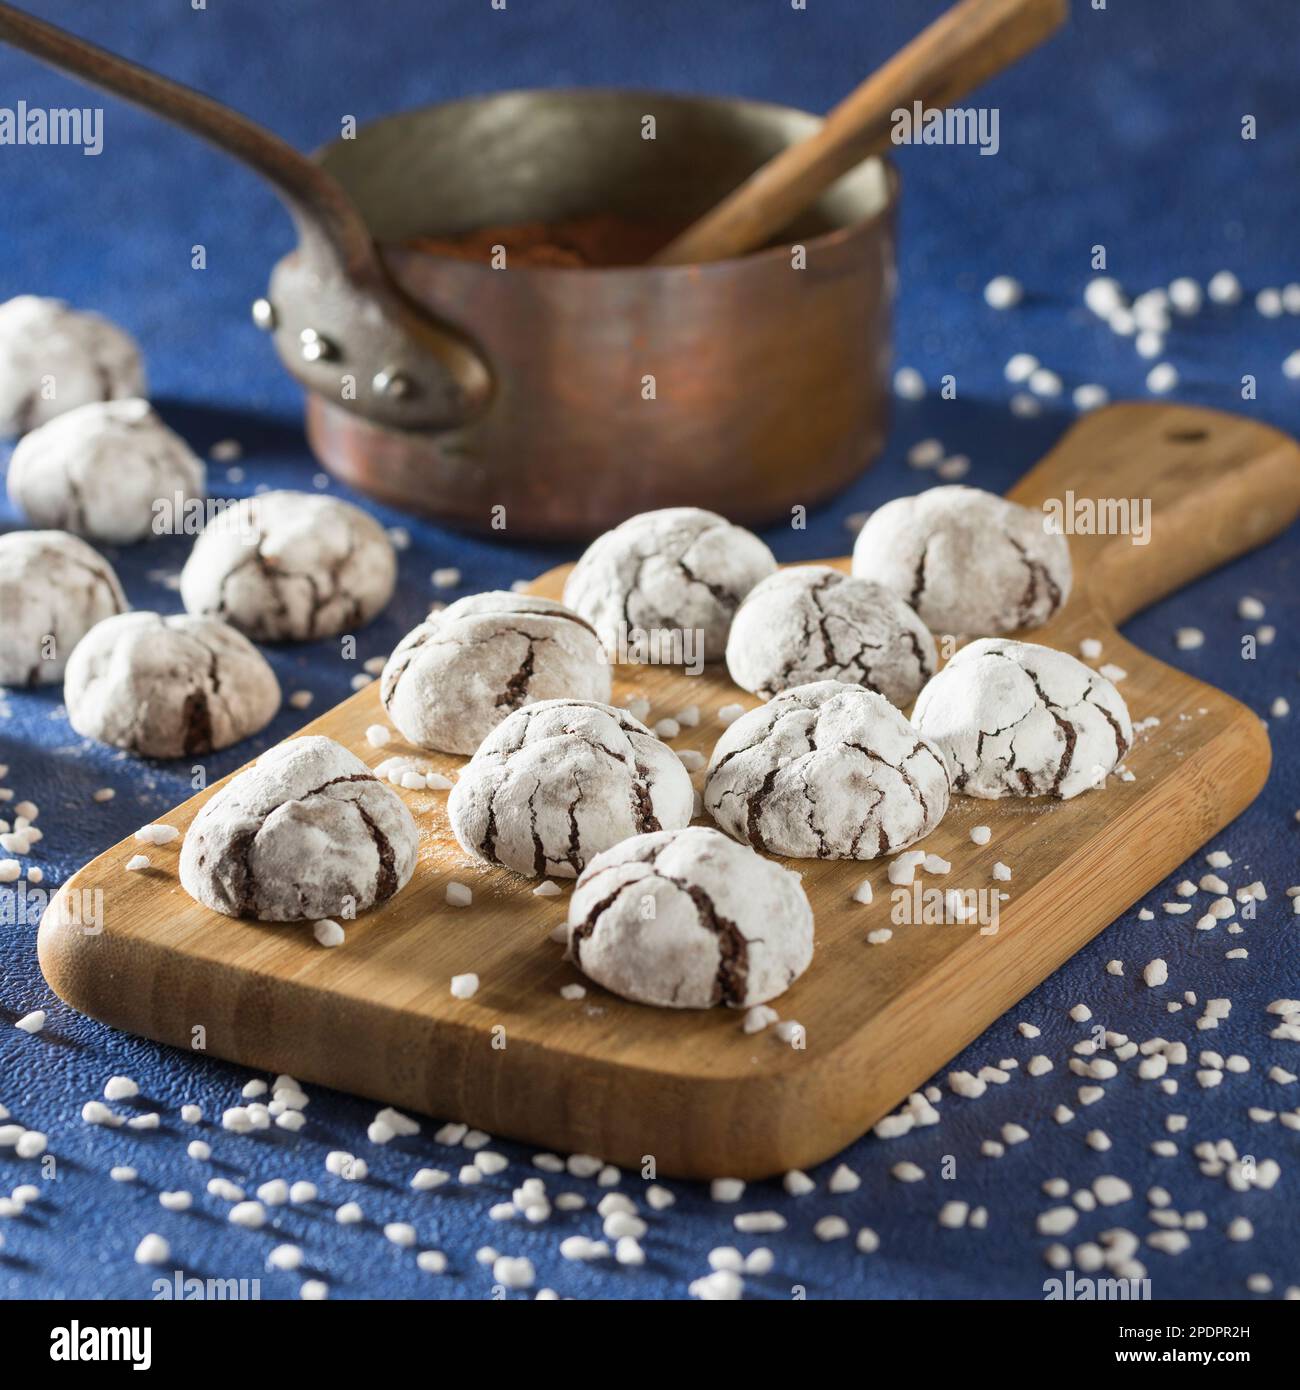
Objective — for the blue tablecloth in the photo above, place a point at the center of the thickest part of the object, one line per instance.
(1125, 132)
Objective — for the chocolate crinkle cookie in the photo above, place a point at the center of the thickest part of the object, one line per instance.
(53, 358)
(664, 586)
(453, 679)
(812, 623)
(110, 470)
(168, 687)
(562, 780)
(305, 834)
(687, 919)
(1018, 719)
(291, 566)
(53, 589)
(967, 561)
(826, 771)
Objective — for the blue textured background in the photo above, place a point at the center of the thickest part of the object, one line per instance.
(1125, 131)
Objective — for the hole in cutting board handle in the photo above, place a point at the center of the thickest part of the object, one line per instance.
(1187, 436)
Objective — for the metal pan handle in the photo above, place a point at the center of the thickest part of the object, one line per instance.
(339, 324)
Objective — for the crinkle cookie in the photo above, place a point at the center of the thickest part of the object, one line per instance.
(168, 687)
(966, 560)
(687, 919)
(813, 623)
(53, 589)
(306, 833)
(1017, 719)
(291, 566)
(562, 780)
(453, 679)
(680, 570)
(53, 358)
(826, 771)
(100, 469)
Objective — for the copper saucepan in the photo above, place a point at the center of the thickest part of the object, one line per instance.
(570, 398)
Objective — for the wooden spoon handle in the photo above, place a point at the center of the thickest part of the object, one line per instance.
(962, 48)
(1152, 495)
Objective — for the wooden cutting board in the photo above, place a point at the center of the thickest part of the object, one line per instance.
(622, 1081)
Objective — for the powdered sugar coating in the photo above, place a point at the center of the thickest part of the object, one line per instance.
(686, 919)
(305, 834)
(291, 566)
(168, 687)
(826, 771)
(967, 561)
(680, 569)
(1019, 719)
(454, 678)
(100, 470)
(812, 623)
(53, 589)
(53, 358)
(562, 780)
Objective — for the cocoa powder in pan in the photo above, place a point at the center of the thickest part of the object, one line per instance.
(596, 240)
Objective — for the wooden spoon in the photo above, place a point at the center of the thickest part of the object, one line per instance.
(962, 48)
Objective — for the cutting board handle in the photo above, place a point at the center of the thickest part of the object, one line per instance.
(1152, 496)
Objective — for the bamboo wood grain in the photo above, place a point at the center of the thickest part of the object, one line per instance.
(964, 47)
(621, 1080)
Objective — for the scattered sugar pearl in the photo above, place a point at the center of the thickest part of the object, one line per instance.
(431, 1262)
(464, 986)
(103, 794)
(953, 468)
(1268, 302)
(1090, 649)
(122, 1173)
(1024, 406)
(726, 1189)
(120, 1088)
(314, 1291)
(378, 734)
(1185, 295)
(909, 384)
(1250, 608)
(458, 895)
(328, 933)
(728, 714)
(199, 1150)
(980, 834)
(32, 1022)
(863, 893)
(1280, 708)
(1224, 288)
(447, 577)
(1112, 672)
(137, 862)
(301, 699)
(1155, 972)
(157, 834)
(1188, 639)
(879, 936)
(1045, 382)
(1291, 365)
(1162, 378)
(1103, 296)
(1003, 292)
(925, 453)
(1149, 343)
(152, 1250)
(1001, 872)
(1089, 396)
(668, 728)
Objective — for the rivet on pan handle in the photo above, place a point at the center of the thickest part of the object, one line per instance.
(339, 324)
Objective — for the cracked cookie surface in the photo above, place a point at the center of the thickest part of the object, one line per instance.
(53, 589)
(307, 833)
(290, 567)
(687, 919)
(54, 358)
(679, 570)
(168, 687)
(562, 780)
(455, 677)
(100, 470)
(1019, 719)
(826, 771)
(969, 562)
(812, 623)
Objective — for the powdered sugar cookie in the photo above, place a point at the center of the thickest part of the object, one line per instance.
(826, 771)
(53, 589)
(110, 470)
(562, 780)
(53, 358)
(291, 566)
(689, 918)
(168, 687)
(1018, 719)
(812, 623)
(967, 561)
(679, 571)
(454, 678)
(307, 833)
